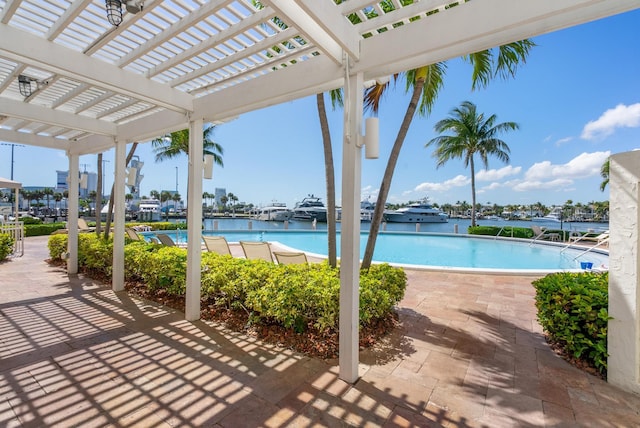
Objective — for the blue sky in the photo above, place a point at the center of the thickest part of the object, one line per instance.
(577, 100)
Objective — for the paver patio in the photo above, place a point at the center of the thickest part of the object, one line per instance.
(469, 353)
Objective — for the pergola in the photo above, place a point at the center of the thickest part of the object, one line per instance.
(73, 81)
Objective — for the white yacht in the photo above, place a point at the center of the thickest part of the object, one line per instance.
(275, 212)
(149, 210)
(419, 212)
(366, 210)
(555, 216)
(311, 208)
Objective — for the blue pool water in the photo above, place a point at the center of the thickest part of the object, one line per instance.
(447, 251)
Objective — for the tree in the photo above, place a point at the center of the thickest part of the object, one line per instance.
(107, 226)
(176, 198)
(604, 173)
(425, 84)
(176, 143)
(154, 194)
(472, 135)
(48, 192)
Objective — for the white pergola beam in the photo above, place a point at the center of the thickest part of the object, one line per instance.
(39, 114)
(475, 26)
(175, 29)
(152, 126)
(30, 139)
(23, 47)
(222, 36)
(294, 16)
(316, 75)
(335, 25)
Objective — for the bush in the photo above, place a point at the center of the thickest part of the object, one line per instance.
(30, 220)
(42, 229)
(572, 309)
(294, 296)
(6, 245)
(57, 245)
(506, 231)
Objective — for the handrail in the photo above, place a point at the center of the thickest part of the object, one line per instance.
(604, 241)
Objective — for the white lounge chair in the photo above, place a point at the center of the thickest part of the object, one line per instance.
(256, 250)
(290, 258)
(539, 233)
(165, 240)
(217, 244)
(599, 239)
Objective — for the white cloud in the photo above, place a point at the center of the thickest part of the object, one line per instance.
(619, 117)
(561, 141)
(457, 181)
(497, 174)
(557, 184)
(582, 166)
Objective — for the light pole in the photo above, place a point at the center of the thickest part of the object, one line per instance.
(104, 168)
(13, 145)
(176, 179)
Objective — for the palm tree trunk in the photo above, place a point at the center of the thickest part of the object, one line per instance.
(376, 221)
(473, 192)
(330, 178)
(107, 226)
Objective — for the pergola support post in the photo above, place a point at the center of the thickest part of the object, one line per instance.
(623, 337)
(194, 220)
(350, 228)
(72, 214)
(117, 277)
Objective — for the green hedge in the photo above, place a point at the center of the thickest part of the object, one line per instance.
(42, 229)
(572, 309)
(6, 245)
(515, 232)
(294, 296)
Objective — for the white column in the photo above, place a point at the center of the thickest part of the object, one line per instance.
(194, 221)
(350, 230)
(624, 291)
(117, 276)
(72, 214)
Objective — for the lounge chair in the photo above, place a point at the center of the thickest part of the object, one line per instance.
(602, 238)
(165, 240)
(256, 250)
(84, 227)
(132, 234)
(290, 258)
(540, 233)
(217, 244)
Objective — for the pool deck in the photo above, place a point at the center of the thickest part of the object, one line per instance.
(468, 353)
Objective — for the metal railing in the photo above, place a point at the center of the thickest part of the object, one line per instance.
(16, 230)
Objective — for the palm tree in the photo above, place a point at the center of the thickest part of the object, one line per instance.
(176, 198)
(154, 194)
(48, 192)
(175, 143)
(604, 173)
(425, 84)
(473, 135)
(107, 226)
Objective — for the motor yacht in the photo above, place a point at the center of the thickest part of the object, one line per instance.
(418, 212)
(275, 212)
(311, 208)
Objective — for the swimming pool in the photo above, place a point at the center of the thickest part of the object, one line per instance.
(444, 251)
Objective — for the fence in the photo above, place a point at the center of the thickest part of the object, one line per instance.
(16, 230)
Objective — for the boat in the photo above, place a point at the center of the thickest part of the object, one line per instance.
(555, 216)
(418, 212)
(275, 212)
(149, 210)
(366, 210)
(311, 208)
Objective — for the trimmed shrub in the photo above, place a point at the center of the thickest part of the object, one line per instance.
(572, 309)
(6, 245)
(295, 296)
(42, 229)
(506, 231)
(57, 245)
